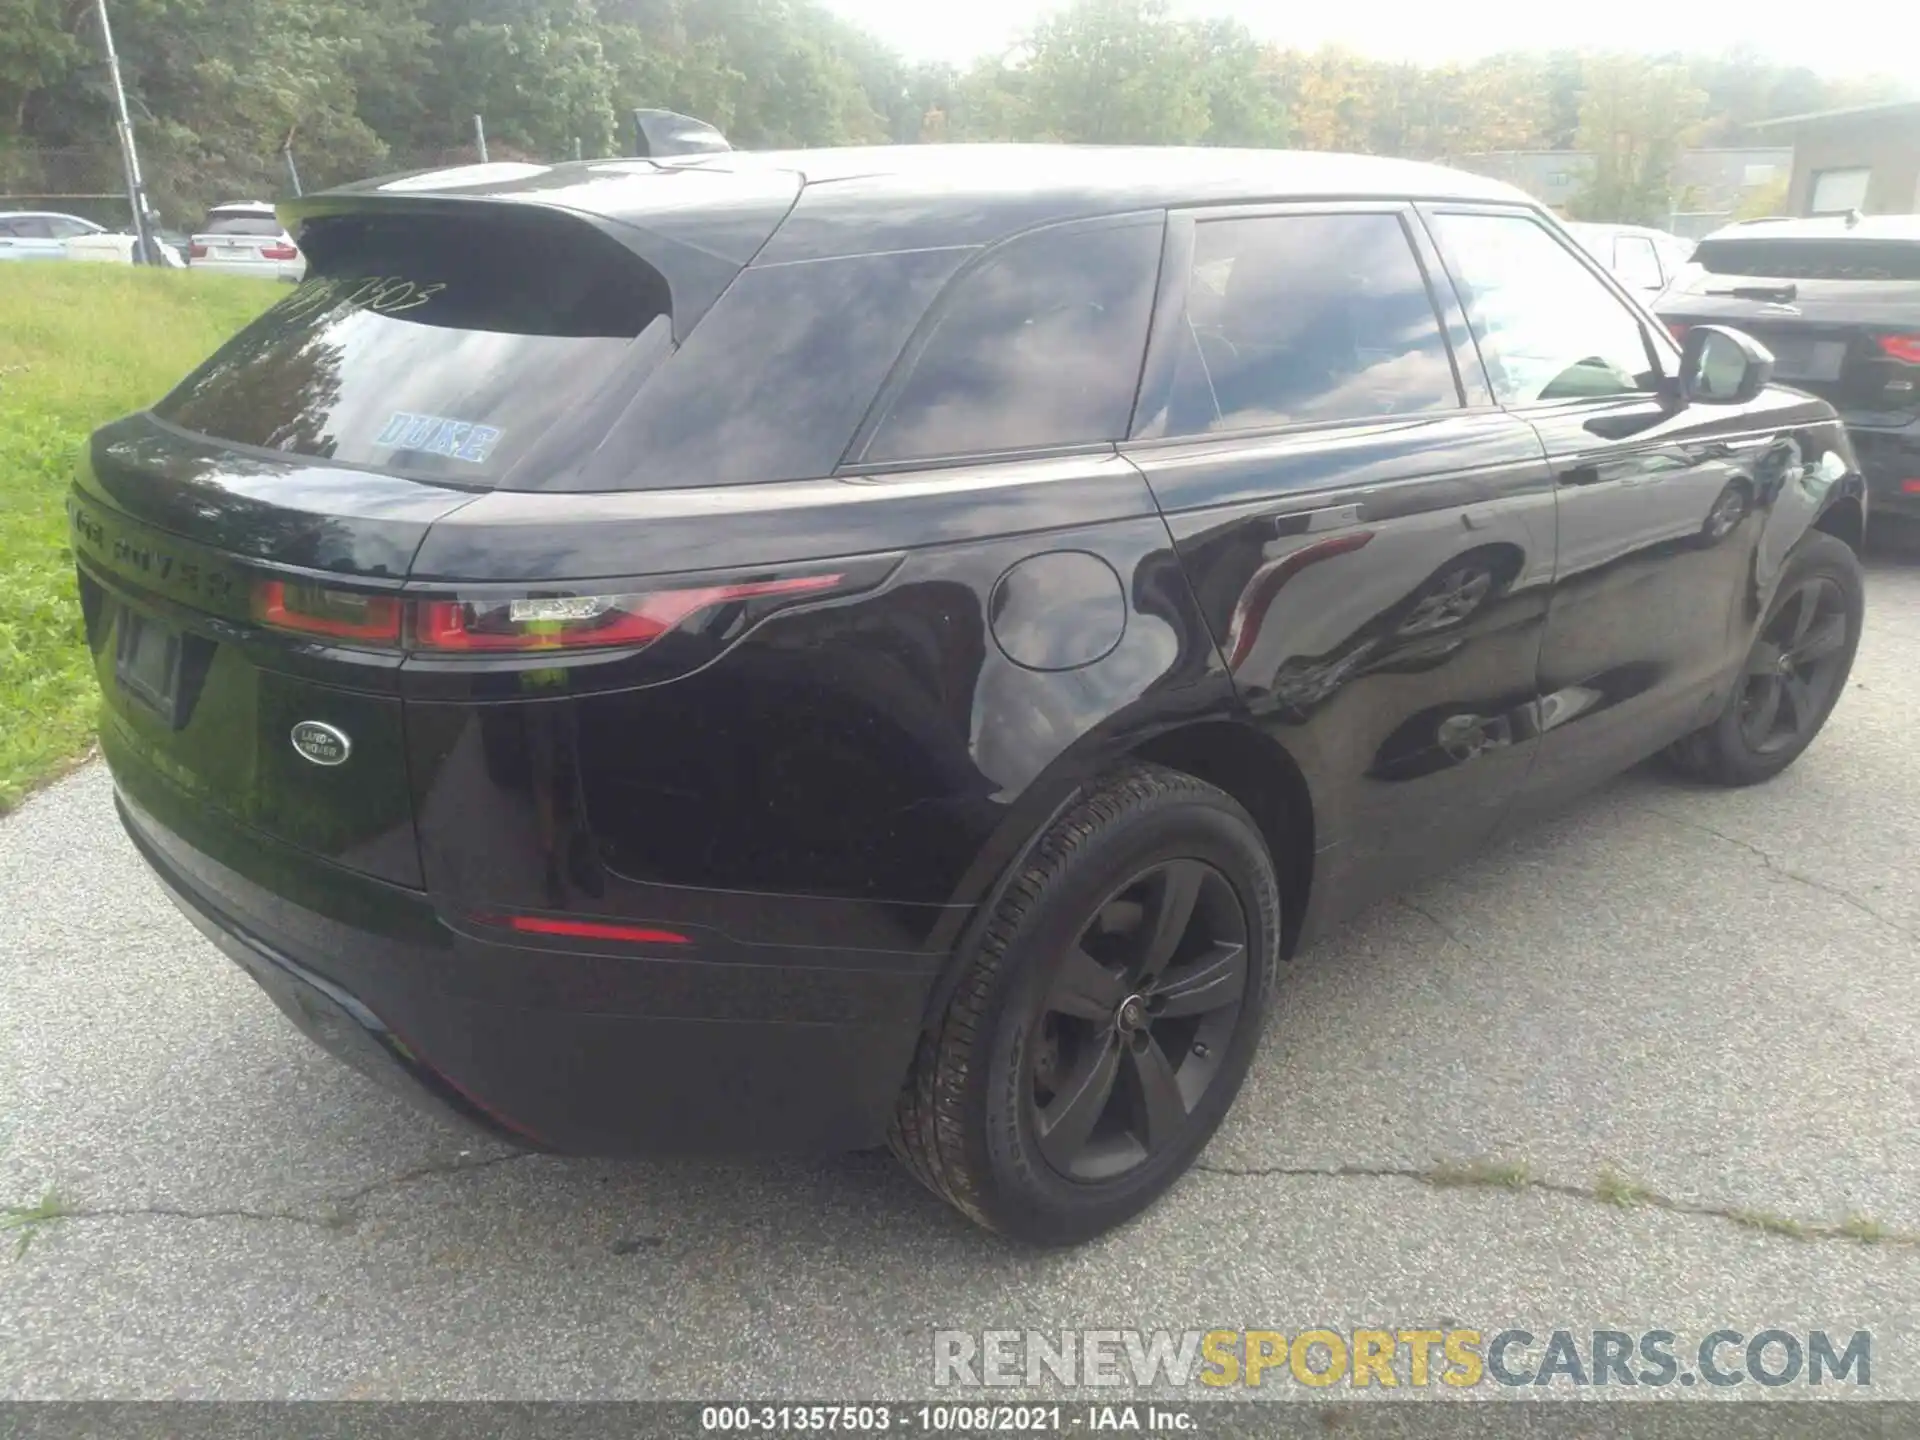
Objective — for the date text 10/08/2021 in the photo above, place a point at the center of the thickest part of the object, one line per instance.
(965, 1419)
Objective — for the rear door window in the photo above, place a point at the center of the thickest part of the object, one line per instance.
(428, 345)
(1038, 346)
(1298, 318)
(1637, 263)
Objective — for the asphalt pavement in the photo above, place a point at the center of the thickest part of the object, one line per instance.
(1710, 996)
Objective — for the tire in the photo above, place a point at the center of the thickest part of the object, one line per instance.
(1059, 990)
(1792, 677)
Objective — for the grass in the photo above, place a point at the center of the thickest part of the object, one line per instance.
(28, 1219)
(1865, 1229)
(1769, 1223)
(1499, 1174)
(79, 345)
(1613, 1188)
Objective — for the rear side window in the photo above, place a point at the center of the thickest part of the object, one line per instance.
(1637, 263)
(1798, 258)
(428, 344)
(233, 224)
(1295, 318)
(1038, 346)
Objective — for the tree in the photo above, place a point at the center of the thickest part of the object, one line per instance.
(1634, 118)
(1111, 72)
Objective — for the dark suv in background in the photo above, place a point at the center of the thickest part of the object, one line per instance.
(788, 650)
(1837, 301)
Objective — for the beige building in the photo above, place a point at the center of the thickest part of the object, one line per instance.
(1864, 158)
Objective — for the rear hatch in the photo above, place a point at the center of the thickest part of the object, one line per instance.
(250, 235)
(1839, 307)
(242, 546)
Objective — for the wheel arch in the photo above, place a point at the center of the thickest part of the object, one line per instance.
(1267, 782)
(1846, 520)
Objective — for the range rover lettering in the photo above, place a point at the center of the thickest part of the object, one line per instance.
(902, 644)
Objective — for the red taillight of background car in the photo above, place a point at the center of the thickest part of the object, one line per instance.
(1904, 348)
(196, 251)
(1678, 329)
(335, 614)
(280, 252)
(574, 622)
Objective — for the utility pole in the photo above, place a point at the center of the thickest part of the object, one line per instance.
(129, 156)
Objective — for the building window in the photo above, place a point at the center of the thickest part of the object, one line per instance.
(1837, 191)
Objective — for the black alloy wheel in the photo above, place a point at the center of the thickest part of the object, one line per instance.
(1793, 675)
(1104, 1010)
(1135, 1021)
(1796, 668)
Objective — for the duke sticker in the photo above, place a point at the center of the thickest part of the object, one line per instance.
(438, 435)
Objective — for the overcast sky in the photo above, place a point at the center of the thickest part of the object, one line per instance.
(1827, 37)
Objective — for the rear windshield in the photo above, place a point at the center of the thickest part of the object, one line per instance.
(218, 224)
(1787, 258)
(428, 344)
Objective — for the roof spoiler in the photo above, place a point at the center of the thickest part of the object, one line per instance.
(663, 132)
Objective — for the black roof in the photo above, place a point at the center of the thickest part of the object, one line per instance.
(855, 199)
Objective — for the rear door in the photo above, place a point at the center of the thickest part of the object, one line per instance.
(28, 237)
(1660, 507)
(1370, 537)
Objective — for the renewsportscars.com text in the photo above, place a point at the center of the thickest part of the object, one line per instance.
(1320, 1358)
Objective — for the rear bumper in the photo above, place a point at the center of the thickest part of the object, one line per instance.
(554, 1049)
(1890, 459)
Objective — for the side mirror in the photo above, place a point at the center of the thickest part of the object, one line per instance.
(1722, 366)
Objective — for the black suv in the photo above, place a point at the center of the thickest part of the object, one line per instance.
(787, 650)
(1837, 301)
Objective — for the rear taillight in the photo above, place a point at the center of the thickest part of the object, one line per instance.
(319, 610)
(1905, 348)
(519, 623)
(575, 622)
(280, 252)
(1678, 329)
(196, 251)
(1910, 487)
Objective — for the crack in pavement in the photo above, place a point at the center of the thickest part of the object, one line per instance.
(330, 1212)
(1433, 920)
(1443, 1177)
(1779, 868)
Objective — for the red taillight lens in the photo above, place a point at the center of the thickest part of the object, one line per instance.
(280, 252)
(318, 610)
(580, 621)
(1678, 329)
(1905, 348)
(196, 251)
(1910, 487)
